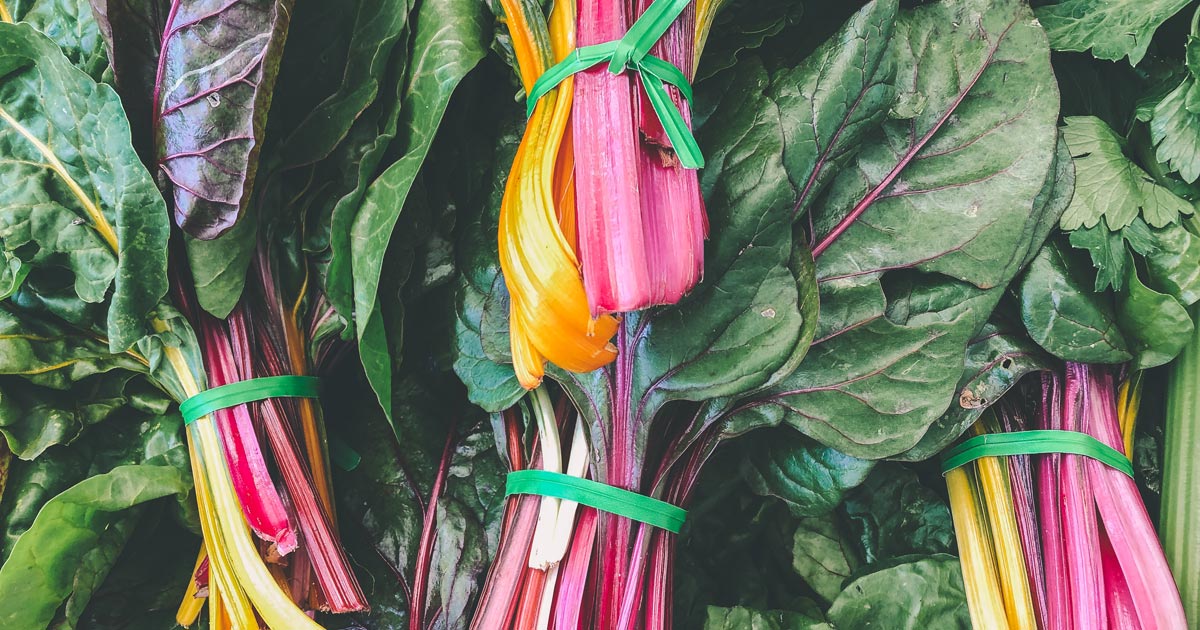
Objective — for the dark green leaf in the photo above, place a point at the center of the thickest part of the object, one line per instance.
(822, 555)
(742, 25)
(1156, 325)
(809, 477)
(741, 618)
(71, 25)
(1063, 315)
(893, 515)
(448, 42)
(74, 540)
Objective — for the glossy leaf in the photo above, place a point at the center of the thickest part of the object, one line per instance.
(885, 364)
(73, 189)
(1063, 314)
(448, 42)
(71, 25)
(810, 478)
(740, 617)
(41, 571)
(893, 515)
(216, 75)
(1157, 326)
(926, 593)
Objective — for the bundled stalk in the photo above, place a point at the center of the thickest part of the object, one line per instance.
(1085, 547)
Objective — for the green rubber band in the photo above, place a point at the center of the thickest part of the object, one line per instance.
(633, 52)
(243, 392)
(1042, 442)
(631, 505)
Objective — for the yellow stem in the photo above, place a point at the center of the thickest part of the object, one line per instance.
(1010, 560)
(1129, 400)
(5, 16)
(984, 601)
(230, 596)
(99, 222)
(189, 609)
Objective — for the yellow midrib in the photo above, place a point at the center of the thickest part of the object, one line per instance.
(5, 16)
(99, 222)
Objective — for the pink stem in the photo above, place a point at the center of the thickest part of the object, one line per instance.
(1058, 593)
(1081, 531)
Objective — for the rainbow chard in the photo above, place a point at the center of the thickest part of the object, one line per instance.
(867, 152)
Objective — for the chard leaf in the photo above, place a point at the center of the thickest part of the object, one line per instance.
(1063, 314)
(72, 190)
(1110, 186)
(448, 41)
(384, 501)
(1157, 326)
(1108, 251)
(810, 478)
(999, 356)
(923, 593)
(216, 75)
(822, 556)
(1173, 263)
(742, 25)
(1111, 29)
(971, 141)
(739, 617)
(893, 515)
(74, 540)
(71, 25)
(132, 31)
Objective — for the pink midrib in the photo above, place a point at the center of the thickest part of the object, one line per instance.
(909, 155)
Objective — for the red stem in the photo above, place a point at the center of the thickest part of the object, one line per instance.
(416, 605)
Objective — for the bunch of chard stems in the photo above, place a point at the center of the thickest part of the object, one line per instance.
(598, 218)
(286, 499)
(1062, 541)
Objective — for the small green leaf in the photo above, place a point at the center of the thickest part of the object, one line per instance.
(1176, 133)
(822, 556)
(809, 477)
(1063, 314)
(742, 618)
(1108, 185)
(894, 515)
(1111, 29)
(1156, 325)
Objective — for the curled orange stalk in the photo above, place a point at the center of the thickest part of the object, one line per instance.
(550, 318)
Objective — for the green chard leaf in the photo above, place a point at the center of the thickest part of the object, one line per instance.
(71, 25)
(810, 478)
(742, 618)
(384, 501)
(1111, 29)
(907, 286)
(923, 593)
(823, 556)
(74, 540)
(1110, 186)
(449, 41)
(1157, 326)
(1175, 131)
(72, 191)
(1063, 314)
(893, 515)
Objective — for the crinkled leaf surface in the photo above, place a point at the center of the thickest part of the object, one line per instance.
(67, 167)
(894, 515)
(809, 477)
(740, 617)
(1111, 29)
(216, 75)
(71, 25)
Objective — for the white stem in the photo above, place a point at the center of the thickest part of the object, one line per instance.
(577, 466)
(543, 532)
